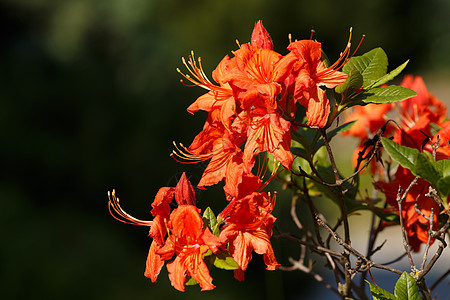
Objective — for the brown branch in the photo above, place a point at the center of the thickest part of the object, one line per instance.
(297, 265)
(400, 199)
(355, 252)
(435, 284)
(313, 247)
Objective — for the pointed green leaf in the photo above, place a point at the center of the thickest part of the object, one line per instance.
(300, 152)
(443, 166)
(434, 129)
(191, 281)
(406, 288)
(224, 261)
(405, 156)
(388, 94)
(354, 82)
(424, 168)
(380, 294)
(307, 137)
(443, 186)
(342, 128)
(372, 65)
(391, 75)
(386, 216)
(210, 220)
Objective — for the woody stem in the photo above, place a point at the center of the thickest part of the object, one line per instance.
(400, 199)
(346, 291)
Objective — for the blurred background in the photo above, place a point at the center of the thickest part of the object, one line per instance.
(90, 101)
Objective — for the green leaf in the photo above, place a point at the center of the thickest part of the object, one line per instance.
(371, 65)
(405, 156)
(443, 166)
(424, 168)
(391, 75)
(354, 82)
(385, 216)
(191, 281)
(211, 221)
(380, 294)
(443, 186)
(224, 261)
(300, 152)
(388, 94)
(307, 138)
(342, 128)
(406, 288)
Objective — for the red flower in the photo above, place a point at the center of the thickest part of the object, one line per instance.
(219, 100)
(248, 228)
(413, 106)
(258, 76)
(189, 240)
(221, 147)
(260, 37)
(267, 132)
(311, 74)
(187, 236)
(415, 224)
(368, 120)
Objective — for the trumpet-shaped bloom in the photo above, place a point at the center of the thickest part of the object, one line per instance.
(258, 76)
(311, 74)
(248, 228)
(267, 133)
(187, 237)
(189, 240)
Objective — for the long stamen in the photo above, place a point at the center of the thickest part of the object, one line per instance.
(344, 56)
(113, 202)
(198, 76)
(275, 172)
(188, 157)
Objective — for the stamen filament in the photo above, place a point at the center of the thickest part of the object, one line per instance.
(113, 202)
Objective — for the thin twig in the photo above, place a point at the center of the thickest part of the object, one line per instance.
(400, 199)
(297, 265)
(435, 284)
(430, 232)
(355, 252)
(313, 247)
(395, 259)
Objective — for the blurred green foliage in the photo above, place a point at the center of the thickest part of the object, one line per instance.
(90, 101)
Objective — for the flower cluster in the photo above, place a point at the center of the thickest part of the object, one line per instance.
(251, 110)
(253, 105)
(421, 125)
(269, 115)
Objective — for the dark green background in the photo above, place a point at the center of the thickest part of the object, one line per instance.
(90, 101)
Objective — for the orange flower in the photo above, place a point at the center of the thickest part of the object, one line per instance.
(187, 236)
(219, 99)
(189, 240)
(369, 119)
(248, 228)
(415, 224)
(267, 132)
(412, 107)
(258, 75)
(312, 74)
(218, 145)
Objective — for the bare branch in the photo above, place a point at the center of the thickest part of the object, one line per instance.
(297, 265)
(400, 199)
